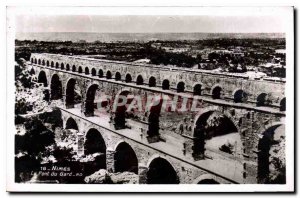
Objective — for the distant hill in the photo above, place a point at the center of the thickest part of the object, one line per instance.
(141, 37)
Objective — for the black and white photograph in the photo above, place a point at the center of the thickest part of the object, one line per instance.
(147, 99)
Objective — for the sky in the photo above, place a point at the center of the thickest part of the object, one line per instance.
(149, 24)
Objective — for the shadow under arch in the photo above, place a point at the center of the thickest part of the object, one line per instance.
(42, 78)
(125, 158)
(161, 171)
(271, 140)
(56, 87)
(217, 131)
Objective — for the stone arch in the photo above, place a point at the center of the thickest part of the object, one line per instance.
(95, 144)
(180, 87)
(152, 81)
(56, 87)
(62, 66)
(71, 124)
(117, 76)
(100, 73)
(47, 63)
(68, 67)
(52, 64)
(32, 71)
(94, 72)
(86, 71)
(272, 138)
(56, 65)
(197, 89)
(207, 179)
(161, 171)
(121, 113)
(217, 92)
(209, 132)
(240, 96)
(39, 61)
(89, 101)
(80, 69)
(42, 78)
(32, 60)
(43, 62)
(72, 97)
(263, 99)
(282, 104)
(139, 80)
(35, 61)
(73, 68)
(108, 74)
(128, 78)
(165, 84)
(125, 159)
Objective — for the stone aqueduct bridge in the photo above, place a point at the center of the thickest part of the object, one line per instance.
(174, 143)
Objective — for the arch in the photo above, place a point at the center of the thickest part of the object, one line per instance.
(197, 89)
(108, 74)
(71, 124)
(39, 61)
(240, 96)
(166, 84)
(117, 76)
(43, 62)
(128, 78)
(52, 64)
(94, 72)
(47, 63)
(282, 104)
(94, 142)
(62, 66)
(180, 87)
(272, 139)
(35, 61)
(100, 73)
(72, 95)
(86, 71)
(32, 60)
(207, 179)
(152, 81)
(120, 110)
(80, 69)
(57, 65)
(56, 87)
(160, 171)
(68, 67)
(217, 92)
(125, 158)
(73, 68)
(217, 132)
(42, 78)
(139, 80)
(263, 99)
(32, 72)
(89, 101)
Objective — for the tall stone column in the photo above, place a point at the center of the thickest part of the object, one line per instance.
(143, 169)
(110, 160)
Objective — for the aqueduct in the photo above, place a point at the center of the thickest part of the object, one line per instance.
(167, 147)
